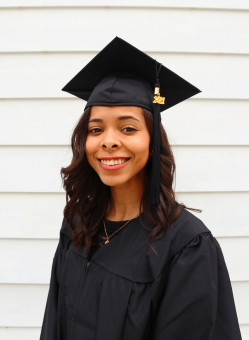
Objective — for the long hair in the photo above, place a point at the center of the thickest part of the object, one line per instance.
(87, 197)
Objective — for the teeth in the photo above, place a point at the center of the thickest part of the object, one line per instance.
(113, 162)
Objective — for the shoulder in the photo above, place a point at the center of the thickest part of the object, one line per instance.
(185, 228)
(187, 222)
(181, 232)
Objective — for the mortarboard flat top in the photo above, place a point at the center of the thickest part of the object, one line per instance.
(120, 74)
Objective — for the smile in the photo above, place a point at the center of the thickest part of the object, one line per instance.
(113, 164)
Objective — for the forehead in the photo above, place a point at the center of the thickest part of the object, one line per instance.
(115, 112)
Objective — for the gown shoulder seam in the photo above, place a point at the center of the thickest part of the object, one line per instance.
(185, 246)
(182, 249)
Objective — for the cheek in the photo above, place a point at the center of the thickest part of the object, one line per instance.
(90, 150)
(141, 151)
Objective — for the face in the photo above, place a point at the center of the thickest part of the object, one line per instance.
(117, 144)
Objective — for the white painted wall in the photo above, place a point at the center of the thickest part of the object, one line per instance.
(43, 44)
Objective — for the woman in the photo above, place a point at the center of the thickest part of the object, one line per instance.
(132, 263)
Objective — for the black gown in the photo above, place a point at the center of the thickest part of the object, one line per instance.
(123, 290)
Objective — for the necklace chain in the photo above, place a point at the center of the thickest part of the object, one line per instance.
(108, 237)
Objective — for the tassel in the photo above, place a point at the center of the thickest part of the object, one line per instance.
(155, 180)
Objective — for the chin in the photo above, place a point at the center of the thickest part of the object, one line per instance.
(111, 182)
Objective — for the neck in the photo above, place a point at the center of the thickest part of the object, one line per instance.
(125, 201)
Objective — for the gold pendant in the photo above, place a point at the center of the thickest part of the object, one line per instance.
(158, 99)
(106, 241)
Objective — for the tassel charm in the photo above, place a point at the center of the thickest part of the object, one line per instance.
(158, 99)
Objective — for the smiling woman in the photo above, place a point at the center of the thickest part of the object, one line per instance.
(122, 138)
(117, 192)
(132, 263)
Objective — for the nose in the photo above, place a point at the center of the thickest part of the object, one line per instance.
(110, 141)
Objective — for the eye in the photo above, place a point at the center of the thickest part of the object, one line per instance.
(94, 130)
(130, 129)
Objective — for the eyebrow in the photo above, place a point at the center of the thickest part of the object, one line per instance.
(94, 120)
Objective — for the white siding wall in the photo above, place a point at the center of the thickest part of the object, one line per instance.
(45, 43)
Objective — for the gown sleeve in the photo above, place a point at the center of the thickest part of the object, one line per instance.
(198, 302)
(49, 325)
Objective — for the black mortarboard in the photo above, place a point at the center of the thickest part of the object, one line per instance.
(122, 75)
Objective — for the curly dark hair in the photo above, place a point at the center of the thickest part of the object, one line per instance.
(87, 197)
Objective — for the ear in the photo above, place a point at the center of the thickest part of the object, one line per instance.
(151, 153)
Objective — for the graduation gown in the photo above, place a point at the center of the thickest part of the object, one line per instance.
(124, 291)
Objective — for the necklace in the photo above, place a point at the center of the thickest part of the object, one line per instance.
(108, 237)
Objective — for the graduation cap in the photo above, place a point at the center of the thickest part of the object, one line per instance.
(122, 75)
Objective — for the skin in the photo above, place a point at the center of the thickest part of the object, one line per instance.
(124, 138)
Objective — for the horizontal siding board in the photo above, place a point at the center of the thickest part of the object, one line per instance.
(33, 169)
(228, 4)
(241, 298)
(20, 333)
(39, 215)
(193, 122)
(185, 30)
(26, 261)
(244, 329)
(207, 122)
(43, 75)
(225, 214)
(31, 215)
(211, 168)
(39, 121)
(24, 305)
(30, 261)
(199, 168)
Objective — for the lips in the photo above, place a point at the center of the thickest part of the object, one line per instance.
(109, 164)
(114, 161)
